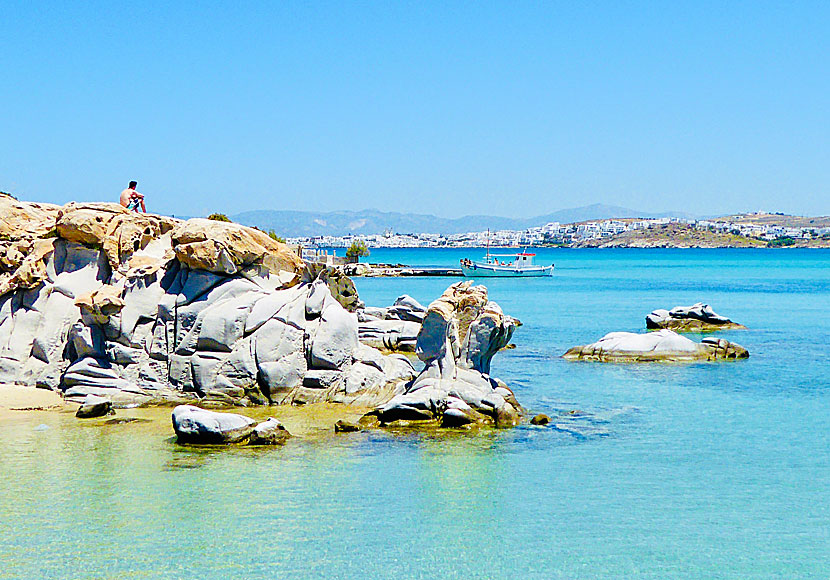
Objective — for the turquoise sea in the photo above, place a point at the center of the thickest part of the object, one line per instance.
(713, 470)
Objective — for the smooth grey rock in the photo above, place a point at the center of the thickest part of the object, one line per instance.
(94, 372)
(123, 355)
(407, 308)
(335, 341)
(196, 425)
(94, 406)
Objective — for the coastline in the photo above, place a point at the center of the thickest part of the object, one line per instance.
(20, 404)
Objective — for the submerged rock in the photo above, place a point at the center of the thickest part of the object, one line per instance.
(94, 406)
(540, 419)
(697, 318)
(200, 426)
(345, 427)
(461, 332)
(663, 345)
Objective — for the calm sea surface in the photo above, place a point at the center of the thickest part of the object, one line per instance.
(715, 470)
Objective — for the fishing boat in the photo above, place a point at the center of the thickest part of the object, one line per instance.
(519, 265)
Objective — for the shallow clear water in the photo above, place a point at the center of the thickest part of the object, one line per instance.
(715, 470)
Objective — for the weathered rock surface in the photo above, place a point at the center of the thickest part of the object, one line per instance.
(227, 248)
(394, 328)
(270, 432)
(200, 426)
(141, 308)
(663, 345)
(342, 426)
(697, 318)
(93, 406)
(461, 332)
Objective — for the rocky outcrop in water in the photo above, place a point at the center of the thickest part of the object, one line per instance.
(697, 318)
(461, 332)
(663, 345)
(201, 426)
(95, 299)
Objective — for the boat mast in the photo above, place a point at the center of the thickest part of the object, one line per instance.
(488, 244)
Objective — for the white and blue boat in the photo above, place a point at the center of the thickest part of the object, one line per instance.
(518, 265)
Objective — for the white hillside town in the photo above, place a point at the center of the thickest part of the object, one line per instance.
(558, 234)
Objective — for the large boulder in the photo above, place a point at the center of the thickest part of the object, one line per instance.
(663, 345)
(460, 333)
(200, 426)
(119, 232)
(697, 318)
(227, 248)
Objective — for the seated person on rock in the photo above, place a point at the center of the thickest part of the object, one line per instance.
(131, 199)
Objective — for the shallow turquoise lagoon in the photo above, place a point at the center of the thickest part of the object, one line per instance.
(651, 471)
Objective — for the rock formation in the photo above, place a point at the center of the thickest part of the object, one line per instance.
(394, 328)
(95, 299)
(663, 345)
(697, 318)
(460, 333)
(200, 426)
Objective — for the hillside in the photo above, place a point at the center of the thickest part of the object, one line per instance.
(685, 236)
(368, 222)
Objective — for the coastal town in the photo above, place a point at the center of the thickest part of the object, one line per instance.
(745, 230)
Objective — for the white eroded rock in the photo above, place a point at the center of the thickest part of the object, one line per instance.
(195, 425)
(663, 345)
(460, 333)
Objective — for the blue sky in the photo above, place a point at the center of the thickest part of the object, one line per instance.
(512, 109)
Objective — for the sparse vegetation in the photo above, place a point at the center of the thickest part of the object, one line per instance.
(218, 217)
(273, 235)
(357, 250)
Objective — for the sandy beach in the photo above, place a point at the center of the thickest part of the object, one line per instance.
(17, 398)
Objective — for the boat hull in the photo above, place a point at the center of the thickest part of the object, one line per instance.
(483, 271)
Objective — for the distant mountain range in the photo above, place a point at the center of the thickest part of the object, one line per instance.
(367, 222)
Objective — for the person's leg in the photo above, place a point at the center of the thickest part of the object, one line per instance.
(143, 209)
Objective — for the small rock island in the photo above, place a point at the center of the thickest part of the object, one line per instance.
(697, 318)
(663, 345)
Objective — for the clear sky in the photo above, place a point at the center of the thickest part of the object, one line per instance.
(452, 108)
